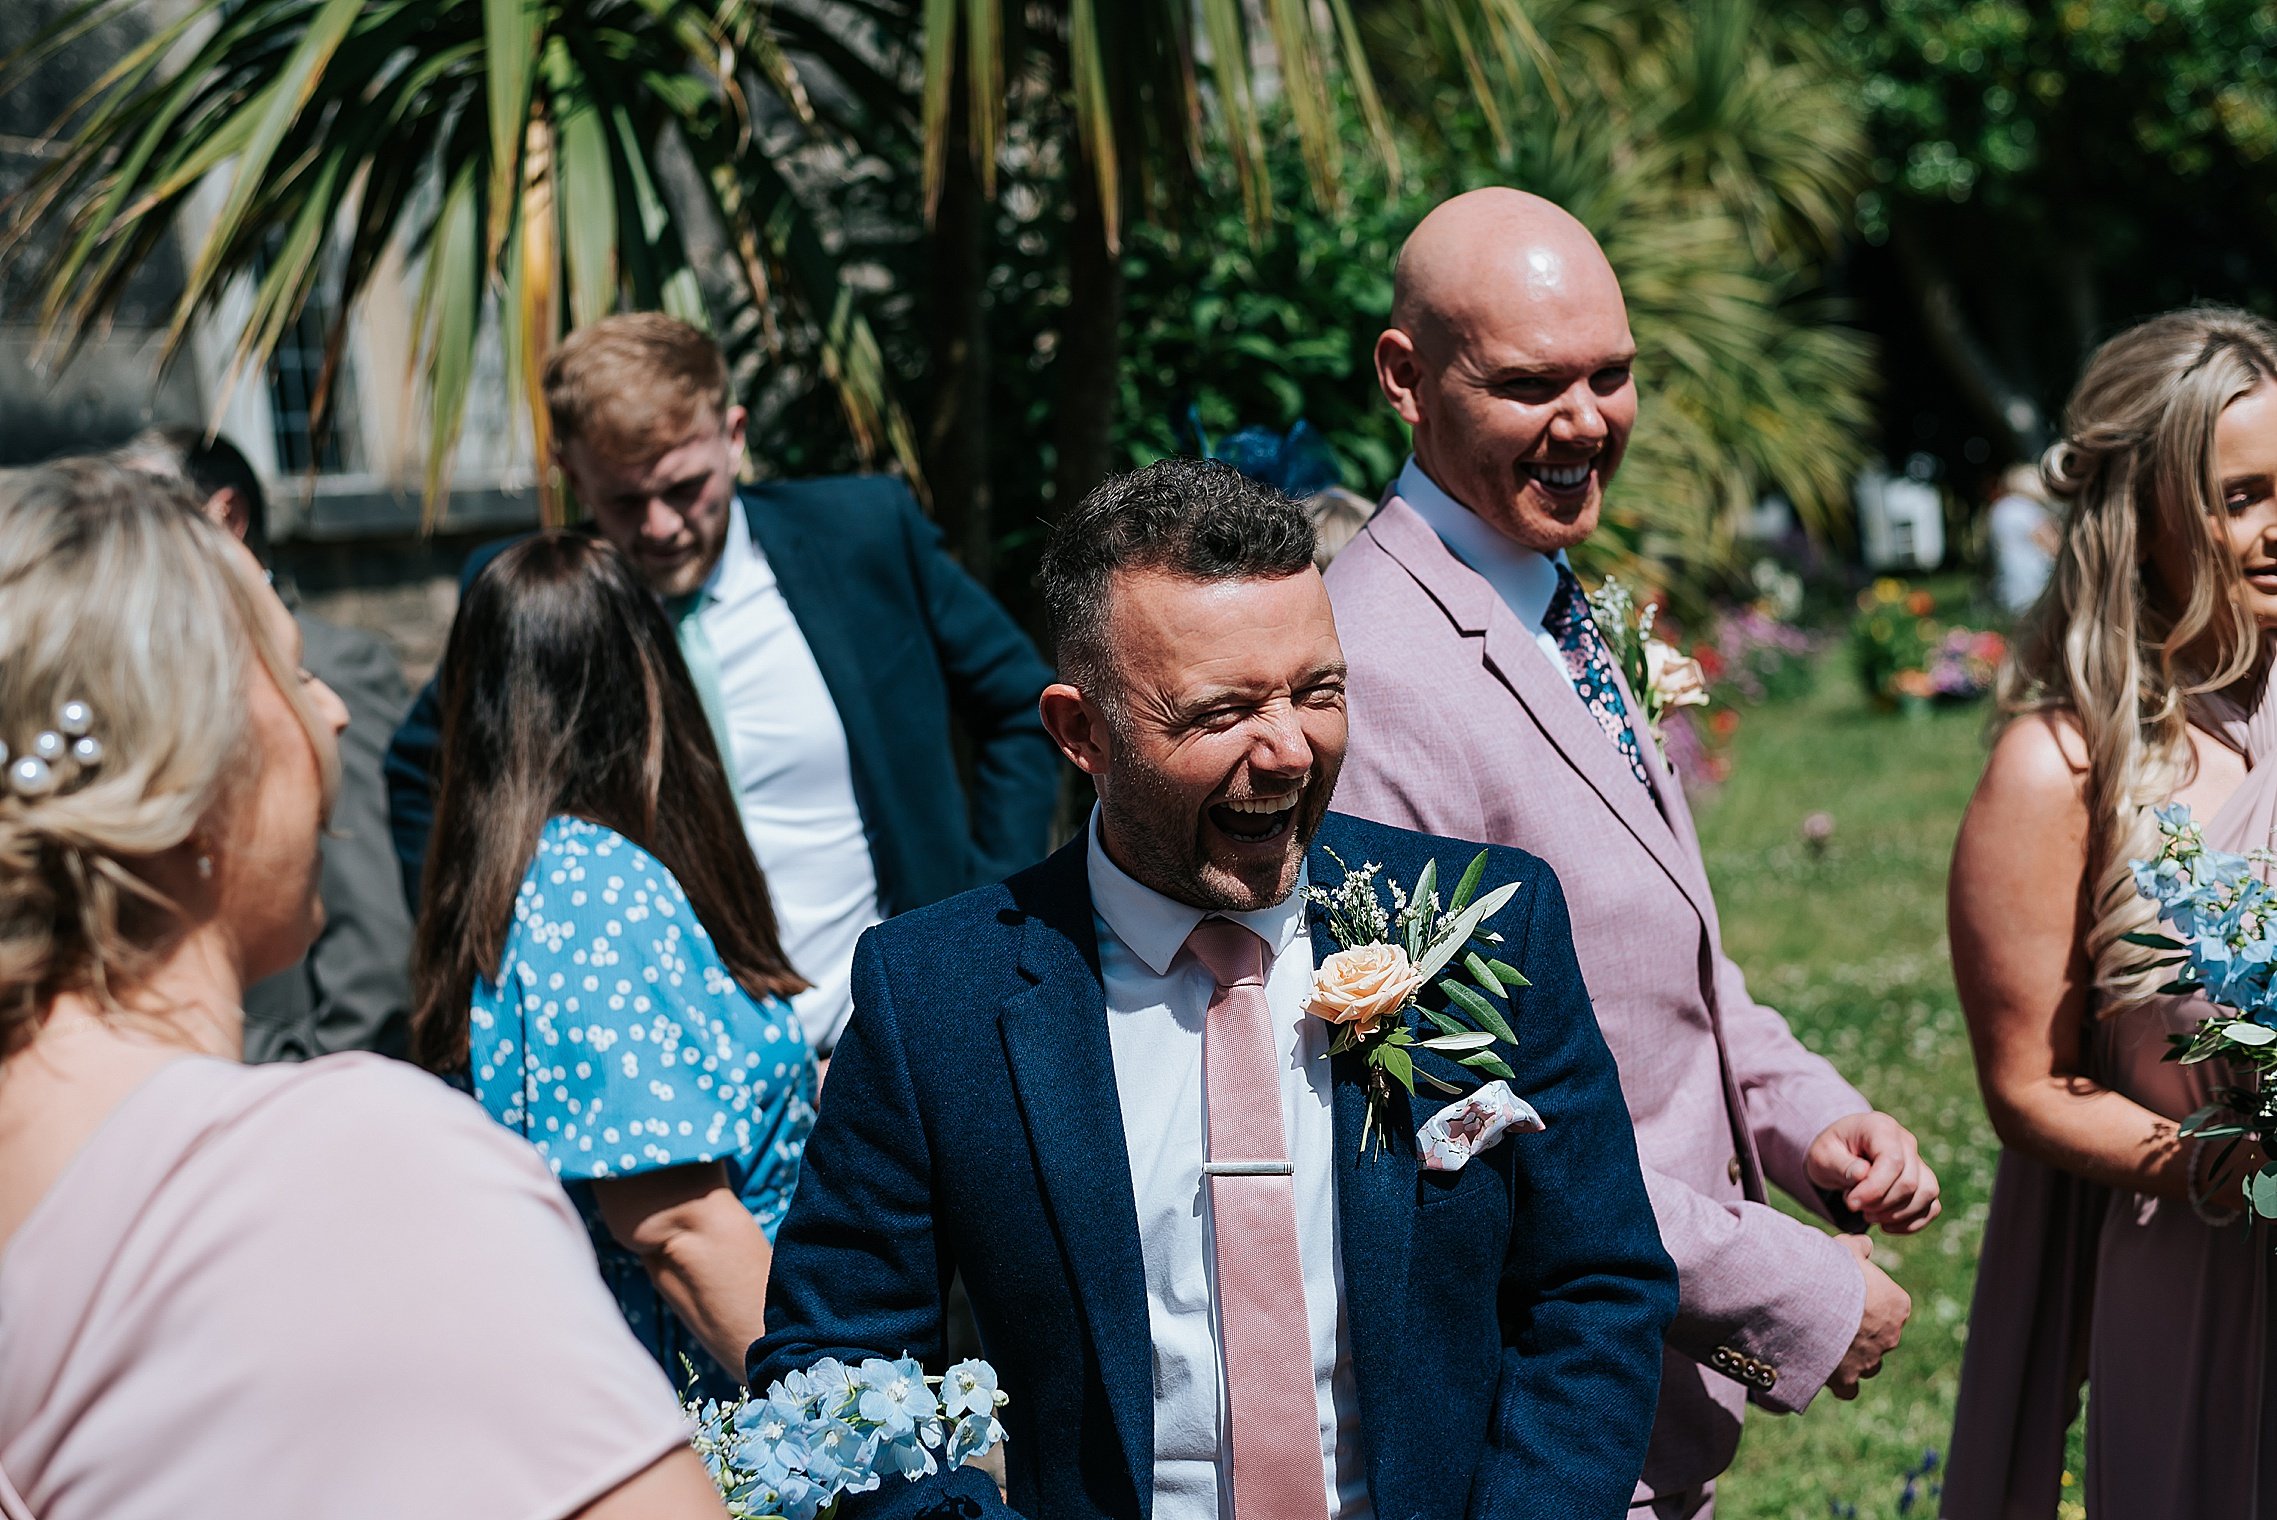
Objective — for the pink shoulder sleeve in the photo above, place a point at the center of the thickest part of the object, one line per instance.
(430, 1336)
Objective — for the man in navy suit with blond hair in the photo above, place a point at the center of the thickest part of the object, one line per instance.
(1096, 1091)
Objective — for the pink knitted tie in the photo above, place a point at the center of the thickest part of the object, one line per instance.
(1263, 1335)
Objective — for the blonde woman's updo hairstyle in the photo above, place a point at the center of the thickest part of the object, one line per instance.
(2110, 644)
(114, 593)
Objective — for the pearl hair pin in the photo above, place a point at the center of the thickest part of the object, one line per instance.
(33, 774)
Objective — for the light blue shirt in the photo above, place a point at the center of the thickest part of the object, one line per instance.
(1525, 579)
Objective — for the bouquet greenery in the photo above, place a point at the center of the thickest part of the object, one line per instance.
(834, 1430)
(2224, 946)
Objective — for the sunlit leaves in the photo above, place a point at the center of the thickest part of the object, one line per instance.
(512, 149)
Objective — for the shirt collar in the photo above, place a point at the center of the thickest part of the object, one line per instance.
(1524, 578)
(1154, 927)
(738, 556)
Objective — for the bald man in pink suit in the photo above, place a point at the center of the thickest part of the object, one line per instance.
(1484, 706)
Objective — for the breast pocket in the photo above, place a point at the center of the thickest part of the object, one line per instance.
(1462, 1220)
(1442, 1189)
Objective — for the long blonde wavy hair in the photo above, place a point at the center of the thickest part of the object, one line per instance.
(115, 592)
(2110, 644)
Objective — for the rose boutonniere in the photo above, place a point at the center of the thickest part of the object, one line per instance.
(1392, 957)
(1661, 678)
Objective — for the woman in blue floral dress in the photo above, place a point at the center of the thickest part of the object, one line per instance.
(597, 959)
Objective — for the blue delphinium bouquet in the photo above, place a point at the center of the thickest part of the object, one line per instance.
(834, 1430)
(2224, 946)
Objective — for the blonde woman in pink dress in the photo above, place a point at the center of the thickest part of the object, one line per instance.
(2115, 1253)
(236, 1293)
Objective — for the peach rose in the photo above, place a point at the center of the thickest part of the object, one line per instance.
(1675, 680)
(1363, 986)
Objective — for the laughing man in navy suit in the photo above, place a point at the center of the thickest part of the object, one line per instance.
(1202, 1297)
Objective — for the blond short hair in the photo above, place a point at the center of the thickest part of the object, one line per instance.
(115, 591)
(634, 385)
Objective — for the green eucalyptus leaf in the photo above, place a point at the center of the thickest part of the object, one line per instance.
(1507, 974)
(1441, 1083)
(2243, 1033)
(1466, 924)
(1418, 909)
(2261, 1191)
(1492, 1064)
(1468, 883)
(1488, 1016)
(2152, 941)
(1451, 1026)
(1482, 974)
(1481, 1011)
(1476, 1040)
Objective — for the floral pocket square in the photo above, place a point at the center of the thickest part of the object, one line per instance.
(1469, 1125)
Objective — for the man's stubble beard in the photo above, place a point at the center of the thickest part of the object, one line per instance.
(1146, 816)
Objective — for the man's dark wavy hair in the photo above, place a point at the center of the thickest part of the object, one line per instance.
(1196, 519)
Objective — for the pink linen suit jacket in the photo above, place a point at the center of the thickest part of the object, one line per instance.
(1461, 727)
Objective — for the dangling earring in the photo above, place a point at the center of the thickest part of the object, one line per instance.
(205, 867)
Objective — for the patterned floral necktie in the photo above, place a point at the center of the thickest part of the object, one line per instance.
(1590, 665)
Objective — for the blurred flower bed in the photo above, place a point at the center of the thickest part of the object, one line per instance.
(1907, 660)
(1755, 652)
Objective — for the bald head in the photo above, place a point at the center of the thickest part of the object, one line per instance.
(1509, 356)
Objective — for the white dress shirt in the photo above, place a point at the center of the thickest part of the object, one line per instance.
(794, 779)
(1526, 579)
(1156, 1003)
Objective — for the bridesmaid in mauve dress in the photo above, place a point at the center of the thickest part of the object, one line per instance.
(2115, 1255)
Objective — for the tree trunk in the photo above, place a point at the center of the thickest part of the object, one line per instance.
(956, 441)
(2003, 406)
(1089, 370)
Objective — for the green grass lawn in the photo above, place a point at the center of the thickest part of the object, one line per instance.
(1850, 944)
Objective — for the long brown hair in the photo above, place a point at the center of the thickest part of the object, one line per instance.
(2109, 643)
(563, 692)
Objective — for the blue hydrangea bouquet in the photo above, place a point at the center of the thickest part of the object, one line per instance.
(2223, 946)
(833, 1430)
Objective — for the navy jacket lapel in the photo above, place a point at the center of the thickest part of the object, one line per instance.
(1375, 1210)
(1063, 1073)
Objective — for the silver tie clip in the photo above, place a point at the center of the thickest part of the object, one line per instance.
(1248, 1169)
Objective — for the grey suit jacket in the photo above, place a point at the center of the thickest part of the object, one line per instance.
(353, 991)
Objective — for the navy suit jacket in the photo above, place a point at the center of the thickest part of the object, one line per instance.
(1505, 1319)
(906, 642)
